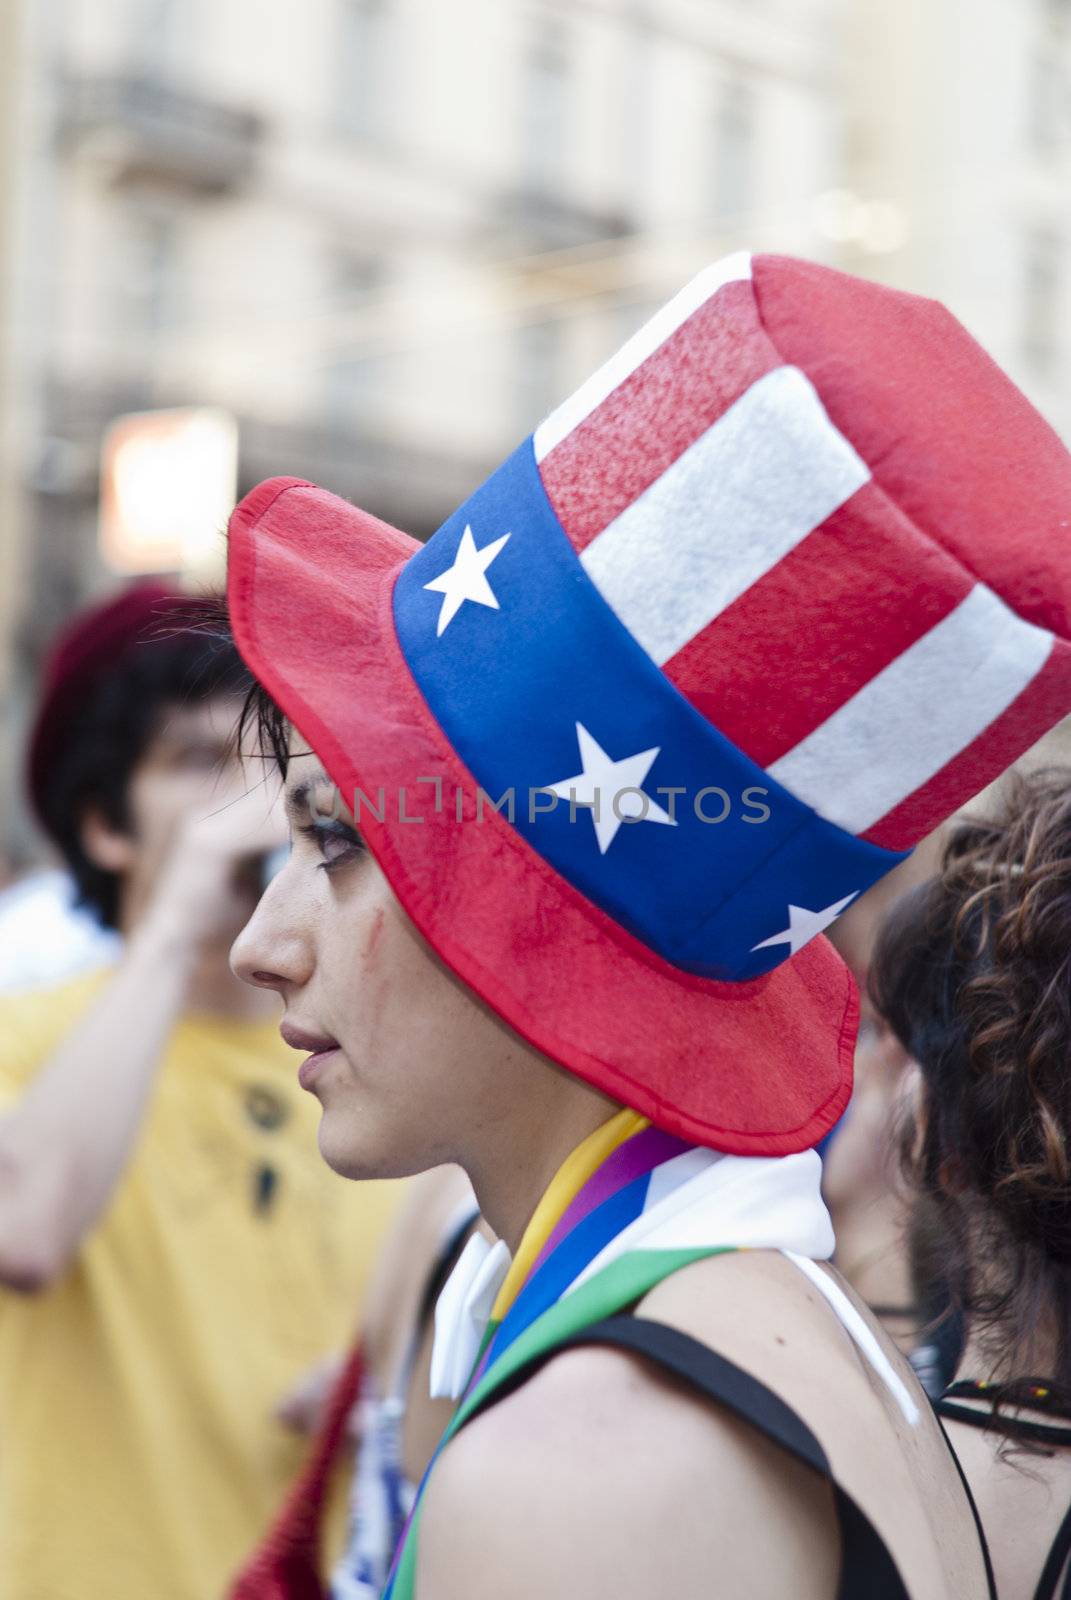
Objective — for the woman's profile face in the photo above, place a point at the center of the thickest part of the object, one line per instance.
(404, 1060)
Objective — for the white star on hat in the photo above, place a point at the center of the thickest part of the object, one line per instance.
(603, 780)
(466, 579)
(804, 925)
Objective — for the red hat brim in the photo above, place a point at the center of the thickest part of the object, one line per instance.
(756, 1068)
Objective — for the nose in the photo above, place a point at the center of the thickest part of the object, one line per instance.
(274, 949)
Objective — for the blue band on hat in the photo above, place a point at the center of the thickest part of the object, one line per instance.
(509, 678)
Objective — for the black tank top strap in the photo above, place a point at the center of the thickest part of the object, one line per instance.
(1056, 1563)
(1013, 1428)
(434, 1283)
(444, 1264)
(990, 1576)
(950, 1407)
(868, 1571)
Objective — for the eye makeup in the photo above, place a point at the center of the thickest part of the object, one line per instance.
(336, 841)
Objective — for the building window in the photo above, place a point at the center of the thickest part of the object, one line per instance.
(631, 311)
(544, 111)
(539, 364)
(733, 153)
(157, 36)
(359, 65)
(354, 376)
(635, 111)
(1042, 335)
(1046, 102)
(152, 285)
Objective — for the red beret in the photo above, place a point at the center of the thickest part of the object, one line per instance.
(85, 650)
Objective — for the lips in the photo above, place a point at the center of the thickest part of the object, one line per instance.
(319, 1046)
(304, 1039)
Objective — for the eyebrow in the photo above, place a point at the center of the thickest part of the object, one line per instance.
(297, 798)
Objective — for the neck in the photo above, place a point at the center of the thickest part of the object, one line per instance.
(1026, 1341)
(511, 1175)
(1034, 1358)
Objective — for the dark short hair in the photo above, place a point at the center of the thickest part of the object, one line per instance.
(93, 766)
(264, 728)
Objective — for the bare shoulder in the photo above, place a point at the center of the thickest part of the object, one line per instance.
(759, 1310)
(879, 1434)
(601, 1476)
(408, 1254)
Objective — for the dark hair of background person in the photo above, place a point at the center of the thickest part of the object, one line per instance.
(104, 743)
(972, 971)
(262, 732)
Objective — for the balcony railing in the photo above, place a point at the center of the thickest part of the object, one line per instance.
(143, 130)
(537, 221)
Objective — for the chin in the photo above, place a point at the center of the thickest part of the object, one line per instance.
(362, 1154)
(339, 1152)
(349, 1156)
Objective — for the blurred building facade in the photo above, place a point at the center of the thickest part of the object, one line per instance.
(10, 464)
(959, 125)
(388, 235)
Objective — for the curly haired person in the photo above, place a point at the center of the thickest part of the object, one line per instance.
(972, 972)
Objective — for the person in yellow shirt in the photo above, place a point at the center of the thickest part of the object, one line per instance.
(173, 1252)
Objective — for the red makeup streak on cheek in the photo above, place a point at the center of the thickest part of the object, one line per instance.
(375, 935)
(376, 985)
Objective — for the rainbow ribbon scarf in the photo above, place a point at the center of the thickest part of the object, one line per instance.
(631, 1206)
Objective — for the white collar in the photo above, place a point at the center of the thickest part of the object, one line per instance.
(700, 1199)
(463, 1312)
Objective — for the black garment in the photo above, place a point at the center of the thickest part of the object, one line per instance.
(1046, 1433)
(868, 1571)
(435, 1283)
(444, 1264)
(937, 1356)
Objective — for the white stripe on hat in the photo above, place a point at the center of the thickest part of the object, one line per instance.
(745, 493)
(916, 714)
(733, 269)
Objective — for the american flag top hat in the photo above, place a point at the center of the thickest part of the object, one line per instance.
(778, 589)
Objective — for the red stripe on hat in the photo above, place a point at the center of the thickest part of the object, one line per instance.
(818, 626)
(661, 408)
(949, 438)
(1038, 708)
